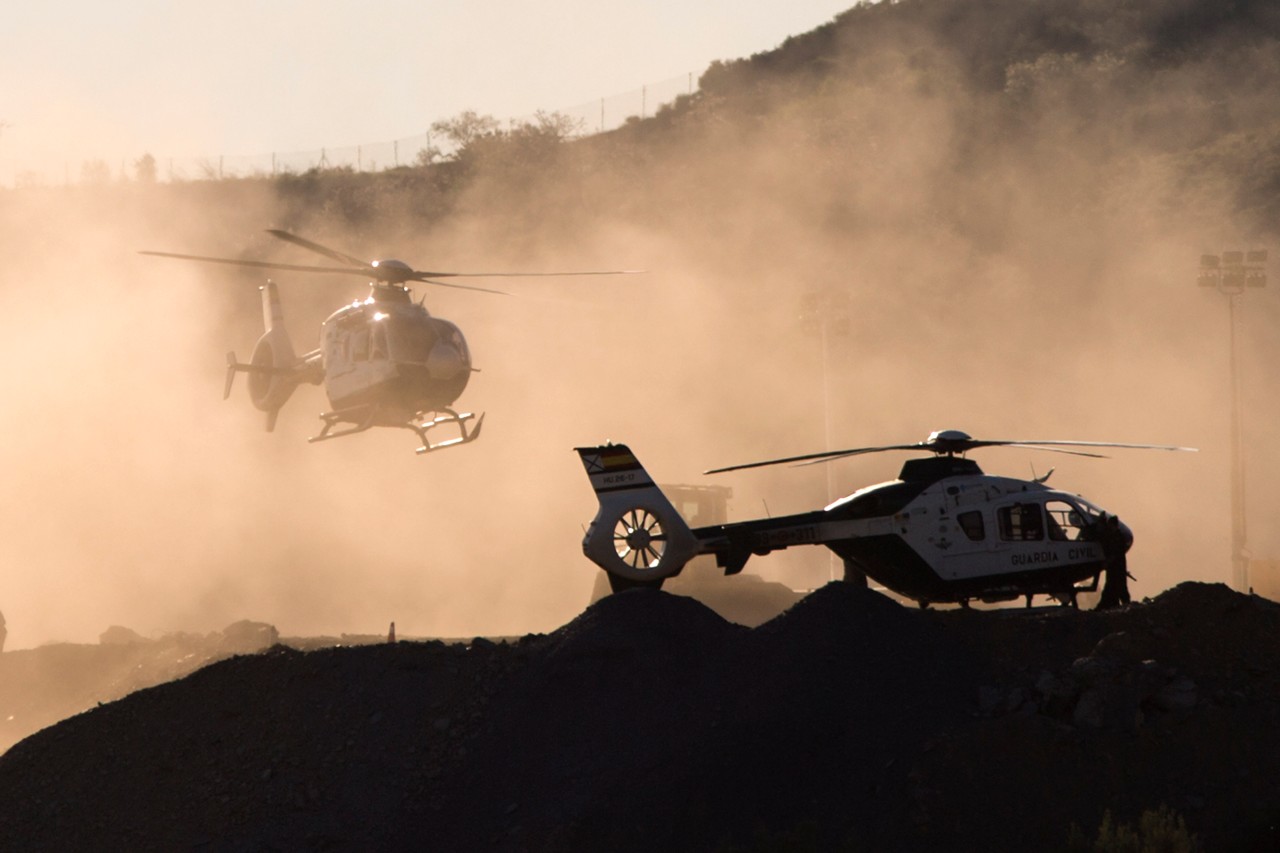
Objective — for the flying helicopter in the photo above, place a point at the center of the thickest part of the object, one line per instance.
(943, 532)
(383, 361)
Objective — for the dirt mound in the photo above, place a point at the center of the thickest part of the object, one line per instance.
(651, 723)
(39, 687)
(637, 625)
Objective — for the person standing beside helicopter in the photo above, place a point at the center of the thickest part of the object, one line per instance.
(1115, 583)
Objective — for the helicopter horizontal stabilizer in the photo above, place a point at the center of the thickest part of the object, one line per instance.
(235, 366)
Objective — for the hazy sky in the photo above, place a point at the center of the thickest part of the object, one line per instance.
(86, 80)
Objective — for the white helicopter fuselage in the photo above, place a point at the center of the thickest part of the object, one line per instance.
(388, 355)
(964, 535)
(383, 361)
(943, 532)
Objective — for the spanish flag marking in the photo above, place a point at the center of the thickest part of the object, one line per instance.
(601, 463)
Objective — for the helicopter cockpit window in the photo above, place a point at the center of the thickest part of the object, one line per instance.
(972, 525)
(1020, 523)
(1067, 523)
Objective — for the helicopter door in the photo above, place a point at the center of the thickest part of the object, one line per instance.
(348, 374)
(964, 546)
(1067, 522)
(1020, 522)
(378, 341)
(1022, 540)
(358, 342)
(346, 343)
(1072, 522)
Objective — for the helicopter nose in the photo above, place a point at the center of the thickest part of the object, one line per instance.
(1127, 535)
(445, 361)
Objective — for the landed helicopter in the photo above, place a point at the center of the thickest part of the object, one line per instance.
(384, 361)
(943, 532)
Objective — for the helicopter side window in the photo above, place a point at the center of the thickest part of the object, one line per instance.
(360, 344)
(378, 345)
(972, 525)
(1020, 523)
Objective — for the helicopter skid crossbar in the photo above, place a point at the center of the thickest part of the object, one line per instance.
(362, 416)
(446, 416)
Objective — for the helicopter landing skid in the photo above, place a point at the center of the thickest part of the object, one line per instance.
(364, 417)
(448, 416)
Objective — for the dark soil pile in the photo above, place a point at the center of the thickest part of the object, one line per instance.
(39, 687)
(649, 722)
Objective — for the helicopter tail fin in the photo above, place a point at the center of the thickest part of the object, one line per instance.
(272, 310)
(636, 535)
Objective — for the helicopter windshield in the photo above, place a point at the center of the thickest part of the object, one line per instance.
(409, 338)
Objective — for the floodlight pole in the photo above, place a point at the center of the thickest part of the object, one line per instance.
(1230, 274)
(830, 313)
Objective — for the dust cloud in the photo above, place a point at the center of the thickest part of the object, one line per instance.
(897, 251)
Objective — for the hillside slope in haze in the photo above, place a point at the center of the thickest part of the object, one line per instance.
(937, 116)
(848, 722)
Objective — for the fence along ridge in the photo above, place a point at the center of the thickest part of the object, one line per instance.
(596, 116)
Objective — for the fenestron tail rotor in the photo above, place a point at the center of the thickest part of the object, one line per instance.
(949, 443)
(639, 539)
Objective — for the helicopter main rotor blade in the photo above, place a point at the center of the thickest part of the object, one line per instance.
(460, 286)
(952, 446)
(1040, 446)
(270, 265)
(419, 275)
(1048, 445)
(331, 254)
(821, 456)
(424, 275)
